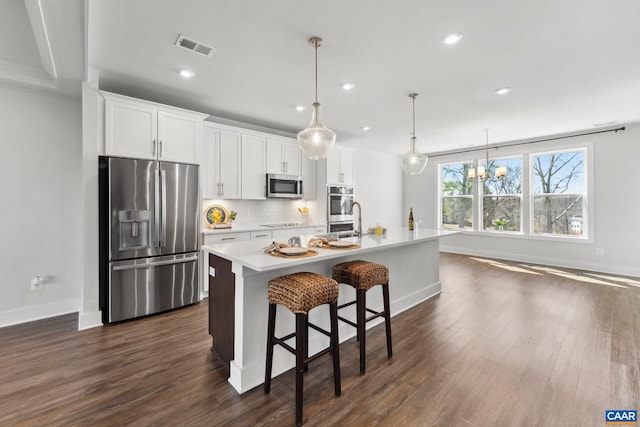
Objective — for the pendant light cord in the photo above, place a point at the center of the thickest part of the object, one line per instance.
(316, 49)
(486, 131)
(414, 114)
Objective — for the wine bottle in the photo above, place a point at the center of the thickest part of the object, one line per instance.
(411, 219)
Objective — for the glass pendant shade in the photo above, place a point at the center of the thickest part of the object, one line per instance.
(316, 140)
(481, 171)
(413, 163)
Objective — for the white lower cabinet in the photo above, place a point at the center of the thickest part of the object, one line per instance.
(212, 239)
(261, 235)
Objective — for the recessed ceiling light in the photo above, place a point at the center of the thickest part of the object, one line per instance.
(348, 86)
(187, 74)
(503, 90)
(300, 108)
(365, 128)
(452, 38)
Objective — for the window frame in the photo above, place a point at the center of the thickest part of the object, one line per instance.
(527, 153)
(480, 192)
(441, 196)
(587, 194)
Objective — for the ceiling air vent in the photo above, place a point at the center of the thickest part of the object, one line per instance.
(195, 46)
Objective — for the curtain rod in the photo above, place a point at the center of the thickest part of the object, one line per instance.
(446, 153)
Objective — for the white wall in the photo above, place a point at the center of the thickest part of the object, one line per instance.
(616, 211)
(40, 150)
(378, 184)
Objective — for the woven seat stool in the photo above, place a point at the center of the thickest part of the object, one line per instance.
(363, 275)
(301, 292)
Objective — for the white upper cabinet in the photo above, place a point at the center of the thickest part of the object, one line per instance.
(341, 166)
(283, 157)
(145, 130)
(179, 137)
(254, 179)
(221, 163)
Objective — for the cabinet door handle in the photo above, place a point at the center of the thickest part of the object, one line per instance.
(222, 193)
(286, 166)
(160, 151)
(228, 238)
(219, 190)
(153, 153)
(261, 235)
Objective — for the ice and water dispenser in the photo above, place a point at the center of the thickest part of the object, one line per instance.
(135, 227)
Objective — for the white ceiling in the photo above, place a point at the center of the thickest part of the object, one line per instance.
(571, 64)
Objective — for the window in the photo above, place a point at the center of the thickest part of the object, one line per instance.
(456, 191)
(559, 193)
(543, 195)
(502, 197)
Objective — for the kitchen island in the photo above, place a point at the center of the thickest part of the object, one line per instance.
(238, 304)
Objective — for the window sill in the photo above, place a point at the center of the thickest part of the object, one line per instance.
(519, 235)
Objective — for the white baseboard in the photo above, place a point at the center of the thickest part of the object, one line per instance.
(555, 262)
(38, 312)
(89, 320)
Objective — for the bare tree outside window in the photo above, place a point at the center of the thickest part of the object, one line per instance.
(502, 200)
(457, 196)
(559, 193)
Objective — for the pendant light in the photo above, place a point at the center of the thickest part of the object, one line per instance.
(316, 140)
(413, 163)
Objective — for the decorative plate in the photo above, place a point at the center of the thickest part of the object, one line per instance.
(340, 244)
(215, 214)
(293, 251)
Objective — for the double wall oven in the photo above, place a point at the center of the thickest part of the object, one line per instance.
(340, 208)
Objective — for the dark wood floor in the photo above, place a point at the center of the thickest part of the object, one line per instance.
(505, 344)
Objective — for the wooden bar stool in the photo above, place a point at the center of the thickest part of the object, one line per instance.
(364, 275)
(300, 292)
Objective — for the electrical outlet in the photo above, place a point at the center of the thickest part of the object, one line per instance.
(37, 283)
(599, 251)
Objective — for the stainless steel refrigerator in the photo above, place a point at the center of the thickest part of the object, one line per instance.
(148, 237)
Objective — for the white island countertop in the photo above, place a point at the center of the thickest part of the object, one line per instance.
(249, 254)
(239, 274)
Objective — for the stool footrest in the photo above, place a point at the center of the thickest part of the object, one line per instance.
(284, 345)
(319, 329)
(376, 315)
(318, 354)
(346, 304)
(355, 325)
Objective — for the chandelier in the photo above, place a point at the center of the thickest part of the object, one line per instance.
(483, 171)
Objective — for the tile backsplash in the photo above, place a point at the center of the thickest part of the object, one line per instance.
(270, 211)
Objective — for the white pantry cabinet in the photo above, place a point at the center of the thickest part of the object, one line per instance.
(283, 157)
(341, 166)
(254, 182)
(146, 130)
(221, 163)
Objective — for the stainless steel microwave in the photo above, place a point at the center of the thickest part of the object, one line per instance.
(284, 186)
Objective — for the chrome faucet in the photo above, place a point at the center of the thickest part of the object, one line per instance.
(359, 230)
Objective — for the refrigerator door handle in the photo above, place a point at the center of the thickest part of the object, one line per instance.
(155, 264)
(157, 209)
(163, 209)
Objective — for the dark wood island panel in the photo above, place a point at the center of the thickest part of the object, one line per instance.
(221, 307)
